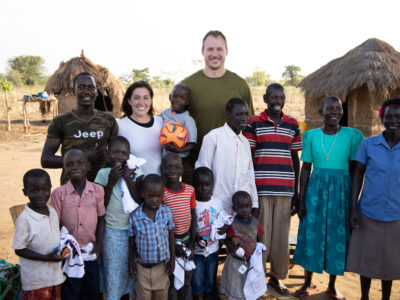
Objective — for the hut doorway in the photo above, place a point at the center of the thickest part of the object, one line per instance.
(344, 121)
(103, 103)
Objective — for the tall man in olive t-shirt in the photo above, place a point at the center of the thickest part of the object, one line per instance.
(83, 128)
(210, 90)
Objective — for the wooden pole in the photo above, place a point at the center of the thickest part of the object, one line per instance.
(25, 117)
(7, 112)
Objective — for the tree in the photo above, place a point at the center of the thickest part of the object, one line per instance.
(143, 74)
(6, 86)
(30, 69)
(291, 75)
(259, 78)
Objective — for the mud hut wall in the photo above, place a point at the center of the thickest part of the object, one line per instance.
(311, 112)
(66, 102)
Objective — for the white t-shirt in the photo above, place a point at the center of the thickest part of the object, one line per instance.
(144, 142)
(39, 233)
(207, 213)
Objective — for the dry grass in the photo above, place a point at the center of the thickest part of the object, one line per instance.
(294, 101)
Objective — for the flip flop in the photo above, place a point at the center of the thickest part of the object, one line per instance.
(335, 297)
(305, 293)
(282, 290)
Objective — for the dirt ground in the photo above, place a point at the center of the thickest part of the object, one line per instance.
(21, 152)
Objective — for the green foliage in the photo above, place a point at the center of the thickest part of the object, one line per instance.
(259, 78)
(5, 85)
(143, 74)
(291, 75)
(158, 82)
(27, 69)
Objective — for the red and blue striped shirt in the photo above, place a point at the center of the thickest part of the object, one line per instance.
(271, 146)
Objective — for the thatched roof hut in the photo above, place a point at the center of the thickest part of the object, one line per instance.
(363, 78)
(110, 90)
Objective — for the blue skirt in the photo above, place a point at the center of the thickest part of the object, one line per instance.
(115, 280)
(324, 233)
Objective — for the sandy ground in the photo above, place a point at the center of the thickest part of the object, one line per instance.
(20, 152)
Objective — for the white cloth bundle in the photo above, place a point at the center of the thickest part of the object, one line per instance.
(128, 203)
(255, 286)
(223, 219)
(73, 266)
(182, 264)
(85, 251)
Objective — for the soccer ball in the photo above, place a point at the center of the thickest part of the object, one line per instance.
(175, 133)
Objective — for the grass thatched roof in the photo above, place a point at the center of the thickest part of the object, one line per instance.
(374, 64)
(61, 82)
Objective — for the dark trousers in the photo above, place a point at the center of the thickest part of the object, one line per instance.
(85, 288)
(185, 292)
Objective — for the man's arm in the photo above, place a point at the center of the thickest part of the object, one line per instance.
(49, 158)
(207, 153)
(296, 168)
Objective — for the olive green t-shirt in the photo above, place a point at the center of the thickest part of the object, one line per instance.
(76, 133)
(208, 98)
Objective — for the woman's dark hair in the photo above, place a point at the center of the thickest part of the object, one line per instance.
(386, 103)
(325, 101)
(126, 108)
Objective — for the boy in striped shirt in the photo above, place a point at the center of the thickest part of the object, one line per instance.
(275, 140)
(181, 200)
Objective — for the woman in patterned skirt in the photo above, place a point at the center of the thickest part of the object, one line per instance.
(324, 201)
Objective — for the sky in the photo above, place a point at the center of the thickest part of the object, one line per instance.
(166, 36)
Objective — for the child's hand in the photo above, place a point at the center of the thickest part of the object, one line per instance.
(95, 154)
(127, 173)
(96, 250)
(53, 256)
(179, 251)
(132, 268)
(222, 230)
(172, 147)
(171, 266)
(115, 174)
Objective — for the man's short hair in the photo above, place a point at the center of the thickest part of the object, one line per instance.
(271, 87)
(214, 33)
(232, 102)
(83, 74)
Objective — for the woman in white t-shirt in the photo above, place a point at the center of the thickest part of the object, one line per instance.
(141, 127)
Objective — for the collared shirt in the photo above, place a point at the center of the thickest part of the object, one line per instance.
(380, 198)
(228, 155)
(41, 234)
(151, 237)
(79, 213)
(272, 145)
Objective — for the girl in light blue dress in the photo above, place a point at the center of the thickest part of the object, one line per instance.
(324, 201)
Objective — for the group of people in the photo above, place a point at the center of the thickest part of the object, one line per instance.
(237, 171)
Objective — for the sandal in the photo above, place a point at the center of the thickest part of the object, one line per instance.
(281, 289)
(305, 293)
(334, 296)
